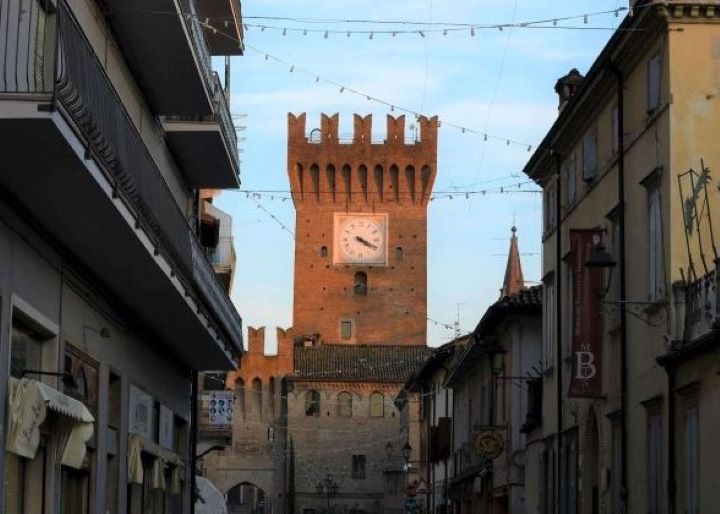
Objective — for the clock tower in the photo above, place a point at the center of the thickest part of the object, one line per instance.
(361, 230)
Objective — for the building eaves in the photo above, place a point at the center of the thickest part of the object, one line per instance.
(621, 47)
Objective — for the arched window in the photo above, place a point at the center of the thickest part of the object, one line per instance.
(344, 405)
(312, 403)
(323, 251)
(377, 405)
(361, 287)
(257, 396)
(240, 395)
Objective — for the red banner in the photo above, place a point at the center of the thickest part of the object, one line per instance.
(587, 334)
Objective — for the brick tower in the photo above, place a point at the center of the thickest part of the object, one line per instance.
(361, 230)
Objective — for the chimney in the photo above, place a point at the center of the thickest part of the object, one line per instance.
(567, 86)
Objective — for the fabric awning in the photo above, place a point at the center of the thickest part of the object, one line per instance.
(29, 402)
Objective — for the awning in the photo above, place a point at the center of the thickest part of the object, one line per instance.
(29, 402)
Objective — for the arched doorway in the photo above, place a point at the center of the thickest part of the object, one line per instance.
(247, 498)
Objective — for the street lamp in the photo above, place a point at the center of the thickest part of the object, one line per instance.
(406, 452)
(329, 487)
(601, 259)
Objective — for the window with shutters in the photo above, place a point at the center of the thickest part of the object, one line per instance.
(344, 405)
(656, 269)
(569, 180)
(654, 73)
(549, 207)
(377, 405)
(569, 475)
(691, 474)
(547, 484)
(614, 124)
(655, 490)
(590, 158)
(549, 307)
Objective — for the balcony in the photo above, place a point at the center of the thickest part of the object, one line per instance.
(207, 145)
(70, 146)
(164, 44)
(701, 308)
(224, 31)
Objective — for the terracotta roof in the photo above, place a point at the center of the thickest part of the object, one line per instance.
(445, 355)
(381, 363)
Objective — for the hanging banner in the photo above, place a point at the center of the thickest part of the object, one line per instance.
(587, 323)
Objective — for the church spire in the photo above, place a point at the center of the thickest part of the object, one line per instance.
(513, 282)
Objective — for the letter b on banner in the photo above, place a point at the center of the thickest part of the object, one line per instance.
(585, 366)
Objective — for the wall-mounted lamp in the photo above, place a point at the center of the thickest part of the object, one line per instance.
(601, 259)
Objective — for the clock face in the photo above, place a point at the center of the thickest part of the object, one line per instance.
(360, 238)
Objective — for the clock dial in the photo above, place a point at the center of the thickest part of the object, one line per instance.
(361, 239)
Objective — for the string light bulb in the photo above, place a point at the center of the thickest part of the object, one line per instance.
(472, 31)
(370, 36)
(292, 68)
(342, 89)
(326, 34)
(422, 34)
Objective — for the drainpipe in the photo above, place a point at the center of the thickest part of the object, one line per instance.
(558, 323)
(193, 437)
(624, 493)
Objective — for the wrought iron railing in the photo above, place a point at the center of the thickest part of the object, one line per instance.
(79, 84)
(701, 307)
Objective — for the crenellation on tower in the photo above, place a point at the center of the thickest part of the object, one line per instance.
(324, 170)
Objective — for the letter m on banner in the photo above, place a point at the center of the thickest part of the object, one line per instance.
(587, 322)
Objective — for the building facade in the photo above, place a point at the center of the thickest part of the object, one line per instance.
(321, 411)
(100, 249)
(629, 213)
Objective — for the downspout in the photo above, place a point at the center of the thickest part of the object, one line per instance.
(558, 323)
(193, 437)
(624, 493)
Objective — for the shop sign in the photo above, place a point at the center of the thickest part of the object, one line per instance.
(587, 319)
(489, 444)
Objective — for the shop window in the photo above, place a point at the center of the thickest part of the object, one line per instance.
(25, 350)
(75, 491)
(358, 466)
(312, 403)
(344, 405)
(377, 405)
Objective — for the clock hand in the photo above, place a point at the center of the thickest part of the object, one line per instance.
(366, 242)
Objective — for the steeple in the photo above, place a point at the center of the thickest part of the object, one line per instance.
(513, 282)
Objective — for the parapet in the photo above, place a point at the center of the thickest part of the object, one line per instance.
(325, 167)
(328, 133)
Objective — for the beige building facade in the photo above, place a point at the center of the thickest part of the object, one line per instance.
(623, 166)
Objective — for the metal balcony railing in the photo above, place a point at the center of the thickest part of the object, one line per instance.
(222, 112)
(79, 84)
(197, 37)
(701, 309)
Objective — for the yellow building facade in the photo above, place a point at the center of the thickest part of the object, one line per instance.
(626, 165)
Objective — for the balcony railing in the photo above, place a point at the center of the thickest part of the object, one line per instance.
(197, 36)
(80, 86)
(222, 111)
(701, 309)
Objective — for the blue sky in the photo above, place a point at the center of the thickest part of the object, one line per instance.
(499, 82)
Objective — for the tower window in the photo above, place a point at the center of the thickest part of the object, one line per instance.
(361, 287)
(312, 403)
(346, 330)
(323, 251)
(399, 252)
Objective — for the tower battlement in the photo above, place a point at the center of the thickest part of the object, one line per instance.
(325, 168)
